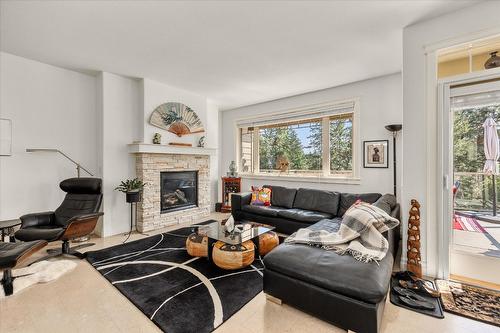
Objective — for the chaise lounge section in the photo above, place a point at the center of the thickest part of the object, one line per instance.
(336, 288)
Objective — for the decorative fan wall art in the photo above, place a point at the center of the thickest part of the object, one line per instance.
(176, 118)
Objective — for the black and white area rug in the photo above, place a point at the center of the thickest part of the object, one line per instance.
(179, 293)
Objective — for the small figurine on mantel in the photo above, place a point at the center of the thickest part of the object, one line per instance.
(201, 142)
(157, 139)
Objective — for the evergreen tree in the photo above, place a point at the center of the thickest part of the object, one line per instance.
(468, 157)
(340, 144)
(280, 141)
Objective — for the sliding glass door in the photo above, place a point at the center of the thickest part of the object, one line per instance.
(474, 123)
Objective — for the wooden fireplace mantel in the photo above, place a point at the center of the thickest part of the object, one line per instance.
(149, 148)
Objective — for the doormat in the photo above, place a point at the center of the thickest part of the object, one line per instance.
(469, 301)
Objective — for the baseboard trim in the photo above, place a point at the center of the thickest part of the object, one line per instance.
(274, 299)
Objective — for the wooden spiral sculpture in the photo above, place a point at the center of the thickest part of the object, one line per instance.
(413, 243)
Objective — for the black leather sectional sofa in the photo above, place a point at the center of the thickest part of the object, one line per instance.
(339, 289)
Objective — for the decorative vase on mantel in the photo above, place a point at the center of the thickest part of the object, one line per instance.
(493, 61)
(157, 139)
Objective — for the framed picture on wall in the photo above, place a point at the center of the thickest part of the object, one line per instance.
(376, 154)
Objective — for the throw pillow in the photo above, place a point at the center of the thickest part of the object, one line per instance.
(387, 202)
(261, 196)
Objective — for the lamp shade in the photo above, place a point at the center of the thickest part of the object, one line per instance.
(394, 127)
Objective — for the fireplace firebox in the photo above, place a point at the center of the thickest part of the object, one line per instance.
(178, 190)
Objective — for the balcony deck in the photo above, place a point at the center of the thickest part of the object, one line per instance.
(481, 243)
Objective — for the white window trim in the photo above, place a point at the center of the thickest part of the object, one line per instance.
(326, 176)
(304, 179)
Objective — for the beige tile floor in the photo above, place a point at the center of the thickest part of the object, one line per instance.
(83, 301)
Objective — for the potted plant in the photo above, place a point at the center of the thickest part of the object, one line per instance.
(132, 188)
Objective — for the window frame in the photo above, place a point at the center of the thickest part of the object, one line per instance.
(324, 175)
(319, 121)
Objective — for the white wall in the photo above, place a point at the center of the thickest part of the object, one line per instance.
(92, 119)
(420, 180)
(380, 105)
(120, 115)
(49, 107)
(212, 135)
(156, 93)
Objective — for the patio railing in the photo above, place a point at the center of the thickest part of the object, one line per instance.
(475, 192)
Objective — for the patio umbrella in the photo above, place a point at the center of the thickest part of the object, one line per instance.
(491, 152)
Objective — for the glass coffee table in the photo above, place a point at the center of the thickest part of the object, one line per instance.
(236, 249)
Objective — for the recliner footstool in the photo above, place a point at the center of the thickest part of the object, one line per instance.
(12, 255)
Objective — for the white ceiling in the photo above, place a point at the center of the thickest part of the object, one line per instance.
(236, 53)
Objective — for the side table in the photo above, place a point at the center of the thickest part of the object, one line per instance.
(6, 227)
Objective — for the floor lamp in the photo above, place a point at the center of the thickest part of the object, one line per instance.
(394, 129)
(79, 167)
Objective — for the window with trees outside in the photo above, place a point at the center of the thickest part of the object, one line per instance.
(320, 144)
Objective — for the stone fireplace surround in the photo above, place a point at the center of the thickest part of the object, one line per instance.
(148, 168)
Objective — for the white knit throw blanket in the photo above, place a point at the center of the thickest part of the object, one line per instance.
(360, 234)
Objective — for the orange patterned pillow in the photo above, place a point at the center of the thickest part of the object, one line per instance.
(261, 196)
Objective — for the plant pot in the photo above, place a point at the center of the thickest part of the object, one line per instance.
(133, 196)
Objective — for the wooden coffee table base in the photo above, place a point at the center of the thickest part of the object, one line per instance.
(267, 242)
(227, 256)
(197, 245)
(225, 250)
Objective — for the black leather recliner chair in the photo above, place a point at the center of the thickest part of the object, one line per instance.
(76, 217)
